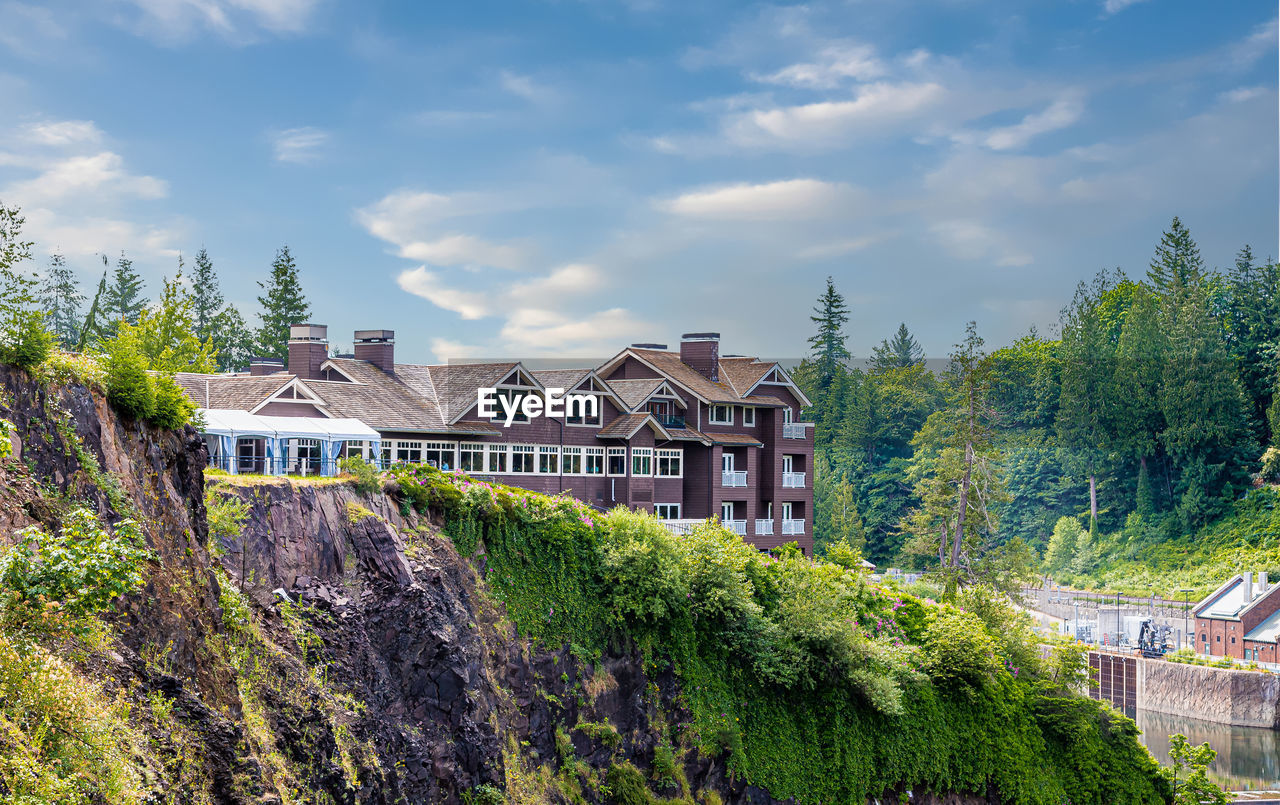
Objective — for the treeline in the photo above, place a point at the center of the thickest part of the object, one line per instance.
(1146, 419)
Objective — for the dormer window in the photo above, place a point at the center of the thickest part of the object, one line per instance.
(721, 415)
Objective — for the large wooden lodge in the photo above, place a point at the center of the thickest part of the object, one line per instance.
(686, 435)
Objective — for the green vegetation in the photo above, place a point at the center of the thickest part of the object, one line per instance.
(1189, 777)
(806, 679)
(367, 477)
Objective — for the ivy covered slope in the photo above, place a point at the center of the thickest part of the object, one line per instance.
(805, 680)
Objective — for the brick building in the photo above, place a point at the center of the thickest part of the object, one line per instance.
(1240, 619)
(686, 434)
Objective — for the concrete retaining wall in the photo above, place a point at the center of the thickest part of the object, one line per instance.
(1221, 695)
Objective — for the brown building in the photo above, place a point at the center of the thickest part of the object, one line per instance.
(1241, 619)
(684, 434)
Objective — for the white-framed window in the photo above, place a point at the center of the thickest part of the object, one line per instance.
(787, 415)
(666, 511)
(571, 462)
(721, 415)
(471, 457)
(671, 463)
(516, 395)
(387, 452)
(579, 413)
(522, 458)
(549, 460)
(617, 461)
(748, 416)
(497, 457)
(594, 463)
(439, 454)
(407, 452)
(642, 461)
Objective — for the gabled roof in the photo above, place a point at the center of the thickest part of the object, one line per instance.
(634, 393)
(1228, 601)
(744, 373)
(1268, 630)
(241, 392)
(567, 379)
(739, 377)
(626, 426)
(456, 383)
(682, 374)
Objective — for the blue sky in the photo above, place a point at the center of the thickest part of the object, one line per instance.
(564, 177)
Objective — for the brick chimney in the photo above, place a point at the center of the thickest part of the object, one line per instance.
(378, 347)
(702, 352)
(308, 349)
(265, 366)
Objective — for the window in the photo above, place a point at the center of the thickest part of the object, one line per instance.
(669, 463)
(749, 417)
(497, 457)
(571, 463)
(471, 457)
(787, 415)
(409, 452)
(617, 461)
(642, 461)
(549, 460)
(522, 458)
(721, 415)
(500, 410)
(386, 454)
(439, 454)
(666, 511)
(582, 413)
(595, 461)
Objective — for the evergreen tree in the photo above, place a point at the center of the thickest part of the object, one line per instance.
(283, 305)
(91, 329)
(206, 296)
(165, 333)
(232, 339)
(61, 299)
(899, 353)
(1253, 331)
(123, 300)
(827, 347)
(846, 523)
(1135, 414)
(1176, 266)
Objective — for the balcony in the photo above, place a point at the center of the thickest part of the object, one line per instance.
(792, 527)
(793, 480)
(764, 528)
(670, 420)
(681, 526)
(733, 478)
(738, 527)
(795, 430)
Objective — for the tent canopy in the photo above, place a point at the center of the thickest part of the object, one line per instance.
(234, 423)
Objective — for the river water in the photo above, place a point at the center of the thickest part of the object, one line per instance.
(1248, 757)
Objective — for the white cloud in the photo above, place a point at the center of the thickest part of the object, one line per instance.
(30, 31)
(835, 65)
(1116, 6)
(242, 20)
(300, 145)
(463, 250)
(840, 248)
(792, 199)
(429, 285)
(95, 175)
(1060, 114)
(524, 86)
(1242, 94)
(413, 222)
(972, 240)
(63, 132)
(832, 123)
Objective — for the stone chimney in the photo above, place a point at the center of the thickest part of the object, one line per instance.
(308, 349)
(702, 352)
(1248, 586)
(265, 366)
(378, 347)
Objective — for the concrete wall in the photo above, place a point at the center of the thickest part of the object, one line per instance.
(1220, 695)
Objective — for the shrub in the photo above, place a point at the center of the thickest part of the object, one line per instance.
(6, 436)
(367, 478)
(53, 585)
(171, 408)
(24, 342)
(128, 386)
(484, 794)
(959, 648)
(1271, 465)
(225, 514)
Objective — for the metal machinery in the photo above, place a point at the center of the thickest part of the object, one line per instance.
(1153, 640)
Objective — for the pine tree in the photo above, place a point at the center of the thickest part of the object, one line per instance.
(283, 305)
(206, 296)
(233, 340)
(827, 347)
(123, 300)
(61, 299)
(1252, 317)
(1176, 266)
(91, 329)
(1135, 415)
(899, 353)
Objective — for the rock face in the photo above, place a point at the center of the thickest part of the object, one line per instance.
(371, 668)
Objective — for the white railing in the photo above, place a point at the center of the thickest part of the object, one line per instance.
(681, 526)
(736, 526)
(794, 430)
(732, 478)
(764, 527)
(793, 480)
(793, 526)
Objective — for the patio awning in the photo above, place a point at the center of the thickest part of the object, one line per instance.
(235, 423)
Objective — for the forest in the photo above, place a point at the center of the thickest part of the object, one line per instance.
(1151, 417)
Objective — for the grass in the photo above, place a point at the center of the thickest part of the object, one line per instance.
(257, 479)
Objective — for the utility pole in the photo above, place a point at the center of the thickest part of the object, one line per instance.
(1185, 635)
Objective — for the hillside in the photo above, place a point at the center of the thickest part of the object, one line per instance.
(427, 638)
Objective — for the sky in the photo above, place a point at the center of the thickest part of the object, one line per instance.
(566, 177)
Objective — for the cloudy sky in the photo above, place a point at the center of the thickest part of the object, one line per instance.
(567, 176)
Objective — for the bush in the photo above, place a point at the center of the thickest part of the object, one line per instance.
(367, 478)
(225, 514)
(171, 408)
(959, 648)
(6, 437)
(24, 342)
(54, 585)
(128, 386)
(1271, 465)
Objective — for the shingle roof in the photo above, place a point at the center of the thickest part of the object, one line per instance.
(688, 435)
(737, 439)
(763, 401)
(743, 373)
(455, 384)
(625, 426)
(565, 379)
(669, 364)
(241, 392)
(634, 392)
